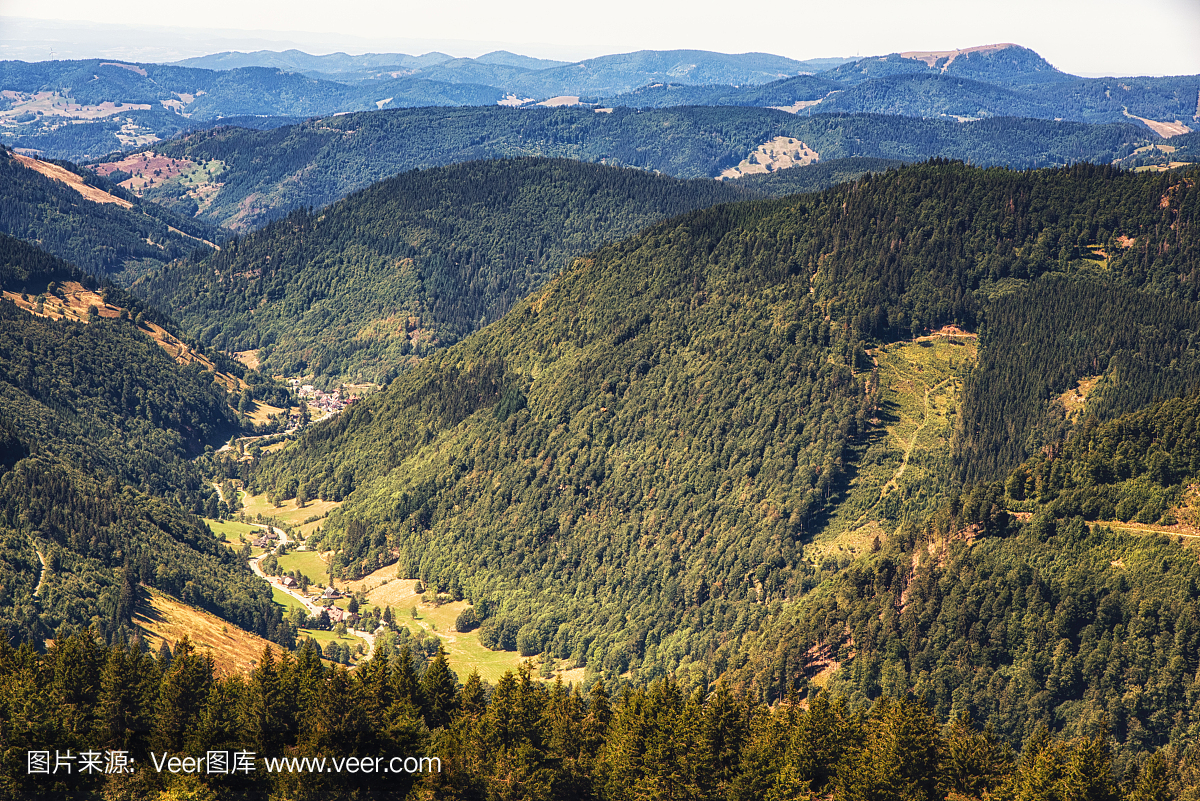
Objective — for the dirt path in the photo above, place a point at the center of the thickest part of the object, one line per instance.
(45, 570)
(912, 444)
(1143, 528)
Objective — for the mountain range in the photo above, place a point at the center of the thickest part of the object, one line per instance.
(113, 105)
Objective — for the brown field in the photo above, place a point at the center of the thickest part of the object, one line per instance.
(561, 100)
(799, 105)
(248, 358)
(147, 169)
(72, 180)
(780, 153)
(234, 650)
(930, 57)
(263, 411)
(1164, 129)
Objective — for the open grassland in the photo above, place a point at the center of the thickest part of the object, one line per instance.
(464, 650)
(288, 512)
(234, 649)
(263, 412)
(323, 637)
(72, 301)
(907, 457)
(466, 653)
(307, 563)
(283, 599)
(233, 530)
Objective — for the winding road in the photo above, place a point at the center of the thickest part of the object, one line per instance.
(313, 609)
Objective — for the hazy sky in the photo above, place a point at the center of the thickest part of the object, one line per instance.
(1114, 37)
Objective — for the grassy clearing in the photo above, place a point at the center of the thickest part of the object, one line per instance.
(323, 637)
(465, 651)
(234, 650)
(233, 530)
(263, 412)
(902, 468)
(307, 563)
(288, 512)
(285, 600)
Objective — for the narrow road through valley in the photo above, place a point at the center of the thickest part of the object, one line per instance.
(313, 609)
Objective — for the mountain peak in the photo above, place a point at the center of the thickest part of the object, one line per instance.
(933, 57)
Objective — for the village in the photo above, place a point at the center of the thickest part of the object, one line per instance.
(271, 541)
(326, 402)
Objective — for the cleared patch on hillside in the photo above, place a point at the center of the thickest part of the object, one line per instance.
(71, 301)
(932, 57)
(148, 170)
(899, 471)
(54, 172)
(560, 100)
(1075, 400)
(1164, 129)
(263, 412)
(780, 153)
(248, 358)
(234, 649)
(24, 105)
(799, 105)
(465, 651)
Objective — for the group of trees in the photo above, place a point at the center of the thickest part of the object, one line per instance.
(1038, 342)
(519, 739)
(105, 239)
(414, 262)
(1050, 622)
(1136, 467)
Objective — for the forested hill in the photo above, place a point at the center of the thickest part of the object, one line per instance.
(1083, 615)
(623, 470)
(267, 173)
(98, 426)
(353, 291)
(90, 221)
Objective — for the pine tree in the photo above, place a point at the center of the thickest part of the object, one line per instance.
(182, 695)
(439, 689)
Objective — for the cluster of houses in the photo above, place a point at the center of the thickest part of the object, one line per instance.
(325, 401)
(268, 540)
(336, 613)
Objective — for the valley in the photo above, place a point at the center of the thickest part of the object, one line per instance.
(667, 424)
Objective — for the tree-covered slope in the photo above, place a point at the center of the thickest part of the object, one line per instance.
(120, 236)
(641, 448)
(1130, 347)
(100, 425)
(412, 263)
(1047, 621)
(268, 173)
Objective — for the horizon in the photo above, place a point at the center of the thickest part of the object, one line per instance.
(1158, 40)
